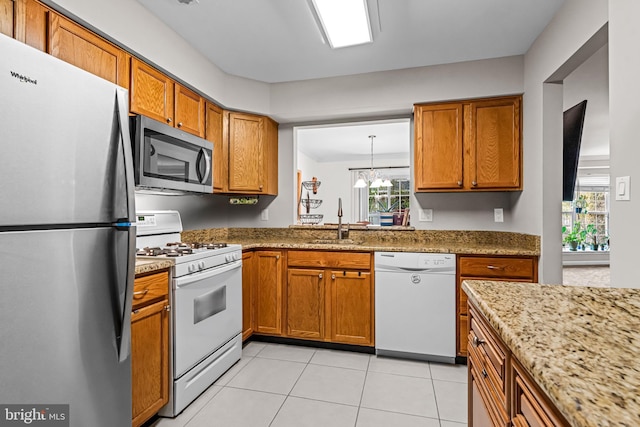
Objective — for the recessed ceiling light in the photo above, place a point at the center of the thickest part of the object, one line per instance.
(344, 22)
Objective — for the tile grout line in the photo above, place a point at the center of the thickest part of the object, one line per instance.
(292, 387)
(364, 384)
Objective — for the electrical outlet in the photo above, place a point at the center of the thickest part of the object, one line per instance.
(498, 215)
(264, 215)
(425, 215)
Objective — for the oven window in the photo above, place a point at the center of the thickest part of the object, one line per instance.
(209, 304)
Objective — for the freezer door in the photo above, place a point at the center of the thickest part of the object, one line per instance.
(64, 296)
(63, 156)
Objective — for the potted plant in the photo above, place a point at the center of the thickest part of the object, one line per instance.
(581, 204)
(592, 231)
(574, 237)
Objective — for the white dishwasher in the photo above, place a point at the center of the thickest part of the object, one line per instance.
(415, 305)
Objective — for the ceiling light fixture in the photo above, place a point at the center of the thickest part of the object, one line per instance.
(373, 178)
(345, 22)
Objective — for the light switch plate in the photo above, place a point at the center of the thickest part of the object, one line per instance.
(425, 215)
(498, 215)
(622, 188)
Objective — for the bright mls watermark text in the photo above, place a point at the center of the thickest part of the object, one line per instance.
(34, 415)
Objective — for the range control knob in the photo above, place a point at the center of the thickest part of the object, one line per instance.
(192, 268)
(201, 265)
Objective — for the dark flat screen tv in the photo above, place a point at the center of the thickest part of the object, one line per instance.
(573, 121)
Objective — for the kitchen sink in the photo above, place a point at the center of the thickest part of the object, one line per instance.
(335, 242)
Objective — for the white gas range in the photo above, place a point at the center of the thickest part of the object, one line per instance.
(206, 300)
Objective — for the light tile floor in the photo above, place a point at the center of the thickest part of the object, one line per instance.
(276, 385)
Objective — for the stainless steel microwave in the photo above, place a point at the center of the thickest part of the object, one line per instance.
(169, 160)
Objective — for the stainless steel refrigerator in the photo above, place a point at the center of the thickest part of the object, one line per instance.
(66, 240)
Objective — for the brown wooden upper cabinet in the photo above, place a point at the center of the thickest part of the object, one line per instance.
(470, 145)
(215, 131)
(155, 95)
(78, 46)
(246, 162)
(7, 17)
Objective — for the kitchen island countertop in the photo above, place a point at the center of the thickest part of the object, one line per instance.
(580, 344)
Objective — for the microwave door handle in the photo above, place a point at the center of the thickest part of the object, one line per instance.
(207, 168)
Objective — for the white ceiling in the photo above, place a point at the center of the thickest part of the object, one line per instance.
(278, 40)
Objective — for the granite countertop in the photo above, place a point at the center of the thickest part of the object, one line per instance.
(580, 344)
(400, 239)
(144, 265)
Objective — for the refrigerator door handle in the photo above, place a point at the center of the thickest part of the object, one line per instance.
(124, 344)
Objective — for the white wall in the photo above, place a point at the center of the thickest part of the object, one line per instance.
(538, 209)
(624, 110)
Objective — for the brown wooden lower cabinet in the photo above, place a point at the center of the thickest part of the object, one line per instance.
(248, 272)
(269, 277)
(324, 296)
(482, 267)
(501, 392)
(149, 346)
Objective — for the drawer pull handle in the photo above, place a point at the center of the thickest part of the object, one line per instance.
(143, 293)
(484, 373)
(478, 341)
(494, 267)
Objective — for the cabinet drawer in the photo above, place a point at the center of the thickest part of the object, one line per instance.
(490, 357)
(150, 288)
(530, 407)
(351, 260)
(497, 267)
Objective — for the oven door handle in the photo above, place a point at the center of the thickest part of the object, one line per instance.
(184, 281)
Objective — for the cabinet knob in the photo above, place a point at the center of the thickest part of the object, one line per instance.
(180, 124)
(484, 373)
(167, 307)
(260, 187)
(277, 256)
(169, 120)
(320, 275)
(333, 276)
(474, 183)
(459, 183)
(477, 341)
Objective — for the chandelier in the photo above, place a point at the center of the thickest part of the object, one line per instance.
(372, 178)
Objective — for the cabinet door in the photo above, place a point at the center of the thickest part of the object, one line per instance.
(189, 111)
(76, 45)
(149, 360)
(438, 147)
(351, 307)
(31, 24)
(268, 292)
(151, 92)
(245, 153)
(7, 17)
(493, 135)
(215, 122)
(248, 274)
(305, 303)
(270, 165)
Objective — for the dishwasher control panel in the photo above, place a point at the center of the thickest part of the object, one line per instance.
(414, 261)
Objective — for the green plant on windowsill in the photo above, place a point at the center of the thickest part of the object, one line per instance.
(592, 231)
(574, 237)
(581, 204)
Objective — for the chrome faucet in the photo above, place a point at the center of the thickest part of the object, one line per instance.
(341, 233)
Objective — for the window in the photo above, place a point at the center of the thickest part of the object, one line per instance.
(590, 207)
(371, 201)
